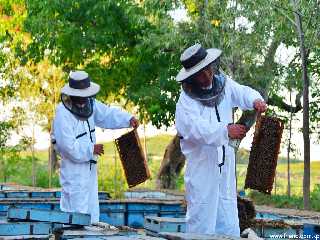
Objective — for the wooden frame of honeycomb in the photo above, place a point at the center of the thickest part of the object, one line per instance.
(264, 154)
(132, 158)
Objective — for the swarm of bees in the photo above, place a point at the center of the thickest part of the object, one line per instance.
(246, 213)
(132, 158)
(264, 154)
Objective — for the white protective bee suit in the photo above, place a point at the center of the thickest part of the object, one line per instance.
(75, 141)
(211, 190)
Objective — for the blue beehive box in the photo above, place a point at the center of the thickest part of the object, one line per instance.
(164, 224)
(25, 228)
(137, 211)
(49, 216)
(113, 218)
(33, 205)
(311, 230)
(42, 194)
(113, 213)
(173, 210)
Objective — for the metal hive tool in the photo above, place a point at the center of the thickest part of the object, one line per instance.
(264, 154)
(132, 158)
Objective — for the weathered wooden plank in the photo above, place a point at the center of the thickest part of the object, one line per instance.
(134, 237)
(144, 201)
(82, 237)
(172, 214)
(93, 235)
(26, 205)
(192, 236)
(25, 228)
(17, 194)
(112, 207)
(143, 207)
(42, 194)
(171, 208)
(49, 216)
(25, 237)
(4, 206)
(89, 232)
(28, 200)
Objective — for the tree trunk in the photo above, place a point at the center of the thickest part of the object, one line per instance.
(306, 137)
(172, 163)
(289, 149)
(33, 159)
(53, 163)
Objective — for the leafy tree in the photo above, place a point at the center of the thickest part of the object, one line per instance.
(34, 87)
(132, 48)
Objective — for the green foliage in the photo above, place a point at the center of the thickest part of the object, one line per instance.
(315, 92)
(94, 35)
(42, 179)
(12, 14)
(10, 155)
(315, 197)
(5, 128)
(18, 169)
(133, 50)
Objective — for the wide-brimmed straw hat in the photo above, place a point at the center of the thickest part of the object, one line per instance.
(80, 85)
(196, 58)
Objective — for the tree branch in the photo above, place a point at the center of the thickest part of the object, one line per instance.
(269, 59)
(278, 101)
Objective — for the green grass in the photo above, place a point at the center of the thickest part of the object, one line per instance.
(111, 176)
(280, 185)
(284, 201)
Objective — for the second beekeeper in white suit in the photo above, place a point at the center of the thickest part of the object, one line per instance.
(204, 124)
(74, 137)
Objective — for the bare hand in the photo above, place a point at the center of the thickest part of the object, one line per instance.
(134, 122)
(236, 131)
(259, 105)
(98, 149)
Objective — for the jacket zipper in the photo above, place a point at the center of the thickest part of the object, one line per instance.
(223, 147)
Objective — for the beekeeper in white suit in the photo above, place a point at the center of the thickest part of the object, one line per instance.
(74, 137)
(203, 117)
